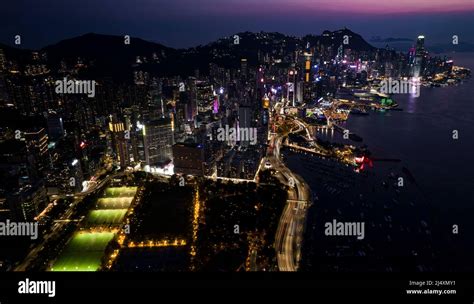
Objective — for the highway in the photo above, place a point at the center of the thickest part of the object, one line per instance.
(290, 229)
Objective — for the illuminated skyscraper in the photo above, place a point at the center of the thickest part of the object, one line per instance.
(420, 44)
(419, 55)
(290, 93)
(27, 202)
(37, 144)
(266, 102)
(307, 65)
(243, 66)
(215, 105)
(158, 141)
(120, 141)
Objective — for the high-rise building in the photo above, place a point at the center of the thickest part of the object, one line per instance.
(156, 98)
(27, 202)
(419, 55)
(37, 145)
(25, 192)
(215, 104)
(55, 126)
(158, 141)
(15, 164)
(120, 138)
(245, 122)
(420, 44)
(76, 175)
(307, 66)
(187, 102)
(290, 93)
(188, 158)
(205, 97)
(243, 66)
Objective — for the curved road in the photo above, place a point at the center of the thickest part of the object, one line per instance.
(290, 230)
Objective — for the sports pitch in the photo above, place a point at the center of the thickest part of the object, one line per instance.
(120, 191)
(83, 252)
(114, 202)
(106, 217)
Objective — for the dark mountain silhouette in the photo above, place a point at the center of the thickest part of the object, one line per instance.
(103, 47)
(109, 56)
(336, 39)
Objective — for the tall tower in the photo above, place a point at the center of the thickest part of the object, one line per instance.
(119, 141)
(420, 44)
(419, 54)
(243, 66)
(290, 92)
(308, 54)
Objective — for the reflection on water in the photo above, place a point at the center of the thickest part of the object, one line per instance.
(412, 100)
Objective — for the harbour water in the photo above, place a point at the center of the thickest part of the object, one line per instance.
(441, 169)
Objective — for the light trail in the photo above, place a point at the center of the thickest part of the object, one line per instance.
(196, 215)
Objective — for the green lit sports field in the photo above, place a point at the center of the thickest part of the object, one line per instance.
(83, 252)
(114, 202)
(120, 191)
(106, 217)
(86, 249)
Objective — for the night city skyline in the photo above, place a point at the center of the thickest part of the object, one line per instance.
(146, 142)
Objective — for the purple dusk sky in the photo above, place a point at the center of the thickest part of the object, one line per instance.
(324, 6)
(182, 23)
